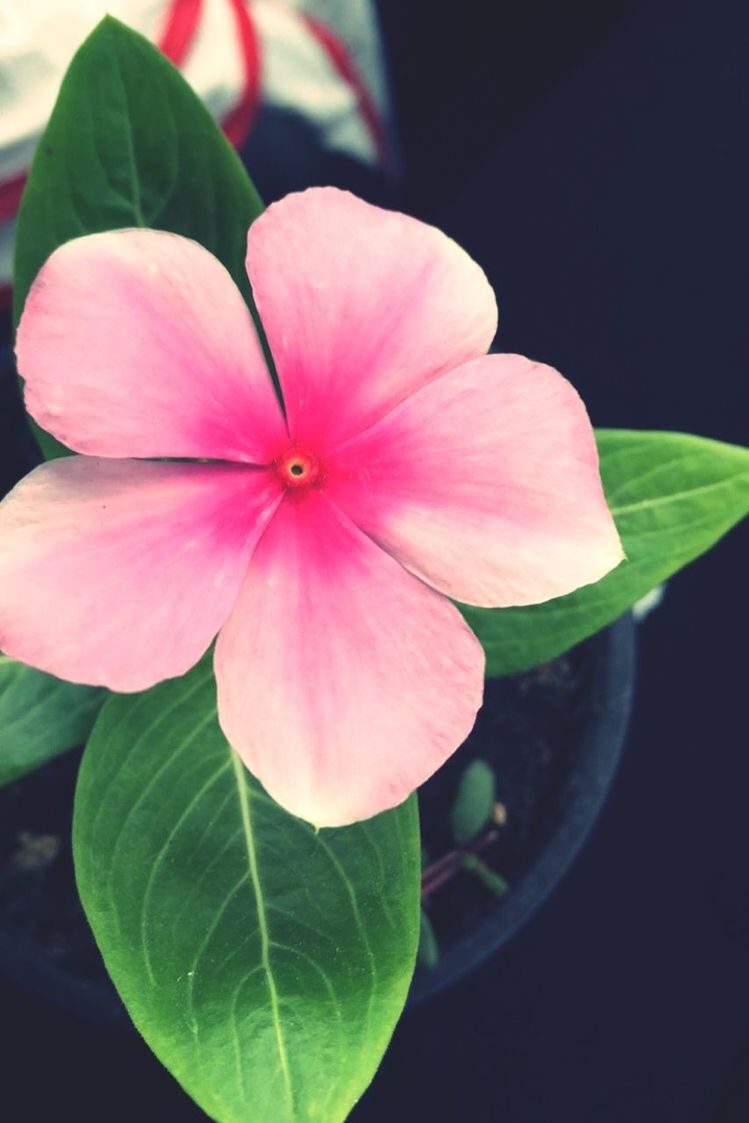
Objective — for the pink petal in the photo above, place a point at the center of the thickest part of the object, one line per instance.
(120, 573)
(485, 484)
(361, 306)
(343, 682)
(138, 343)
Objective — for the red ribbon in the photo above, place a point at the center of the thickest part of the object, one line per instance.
(237, 125)
(336, 51)
(177, 36)
(183, 20)
(179, 31)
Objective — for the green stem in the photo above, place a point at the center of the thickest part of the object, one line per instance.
(487, 876)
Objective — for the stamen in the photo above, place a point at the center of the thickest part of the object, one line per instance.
(298, 468)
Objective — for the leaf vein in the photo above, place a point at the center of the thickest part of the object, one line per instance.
(243, 792)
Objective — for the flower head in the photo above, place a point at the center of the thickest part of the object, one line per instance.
(320, 541)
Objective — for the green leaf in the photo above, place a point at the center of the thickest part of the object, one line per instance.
(130, 144)
(40, 717)
(429, 952)
(672, 496)
(264, 962)
(474, 802)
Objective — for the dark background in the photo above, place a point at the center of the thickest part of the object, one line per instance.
(593, 157)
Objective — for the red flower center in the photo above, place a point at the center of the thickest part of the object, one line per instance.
(298, 468)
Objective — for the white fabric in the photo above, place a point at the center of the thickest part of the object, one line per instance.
(39, 37)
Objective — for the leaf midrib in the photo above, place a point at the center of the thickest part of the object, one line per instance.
(243, 794)
(130, 146)
(677, 496)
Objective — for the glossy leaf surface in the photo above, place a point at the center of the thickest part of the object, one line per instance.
(672, 496)
(40, 717)
(264, 962)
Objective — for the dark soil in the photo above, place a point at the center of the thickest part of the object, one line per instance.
(527, 731)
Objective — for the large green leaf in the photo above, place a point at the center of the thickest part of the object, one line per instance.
(265, 962)
(40, 717)
(672, 496)
(130, 144)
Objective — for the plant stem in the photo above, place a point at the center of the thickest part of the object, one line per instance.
(486, 876)
(438, 873)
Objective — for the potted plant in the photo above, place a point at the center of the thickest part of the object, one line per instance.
(253, 876)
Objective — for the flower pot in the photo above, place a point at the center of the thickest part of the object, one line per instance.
(581, 747)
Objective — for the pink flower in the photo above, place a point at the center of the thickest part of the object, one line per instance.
(320, 544)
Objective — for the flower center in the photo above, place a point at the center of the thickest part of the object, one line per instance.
(298, 468)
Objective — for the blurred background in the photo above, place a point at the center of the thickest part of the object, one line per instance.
(592, 156)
